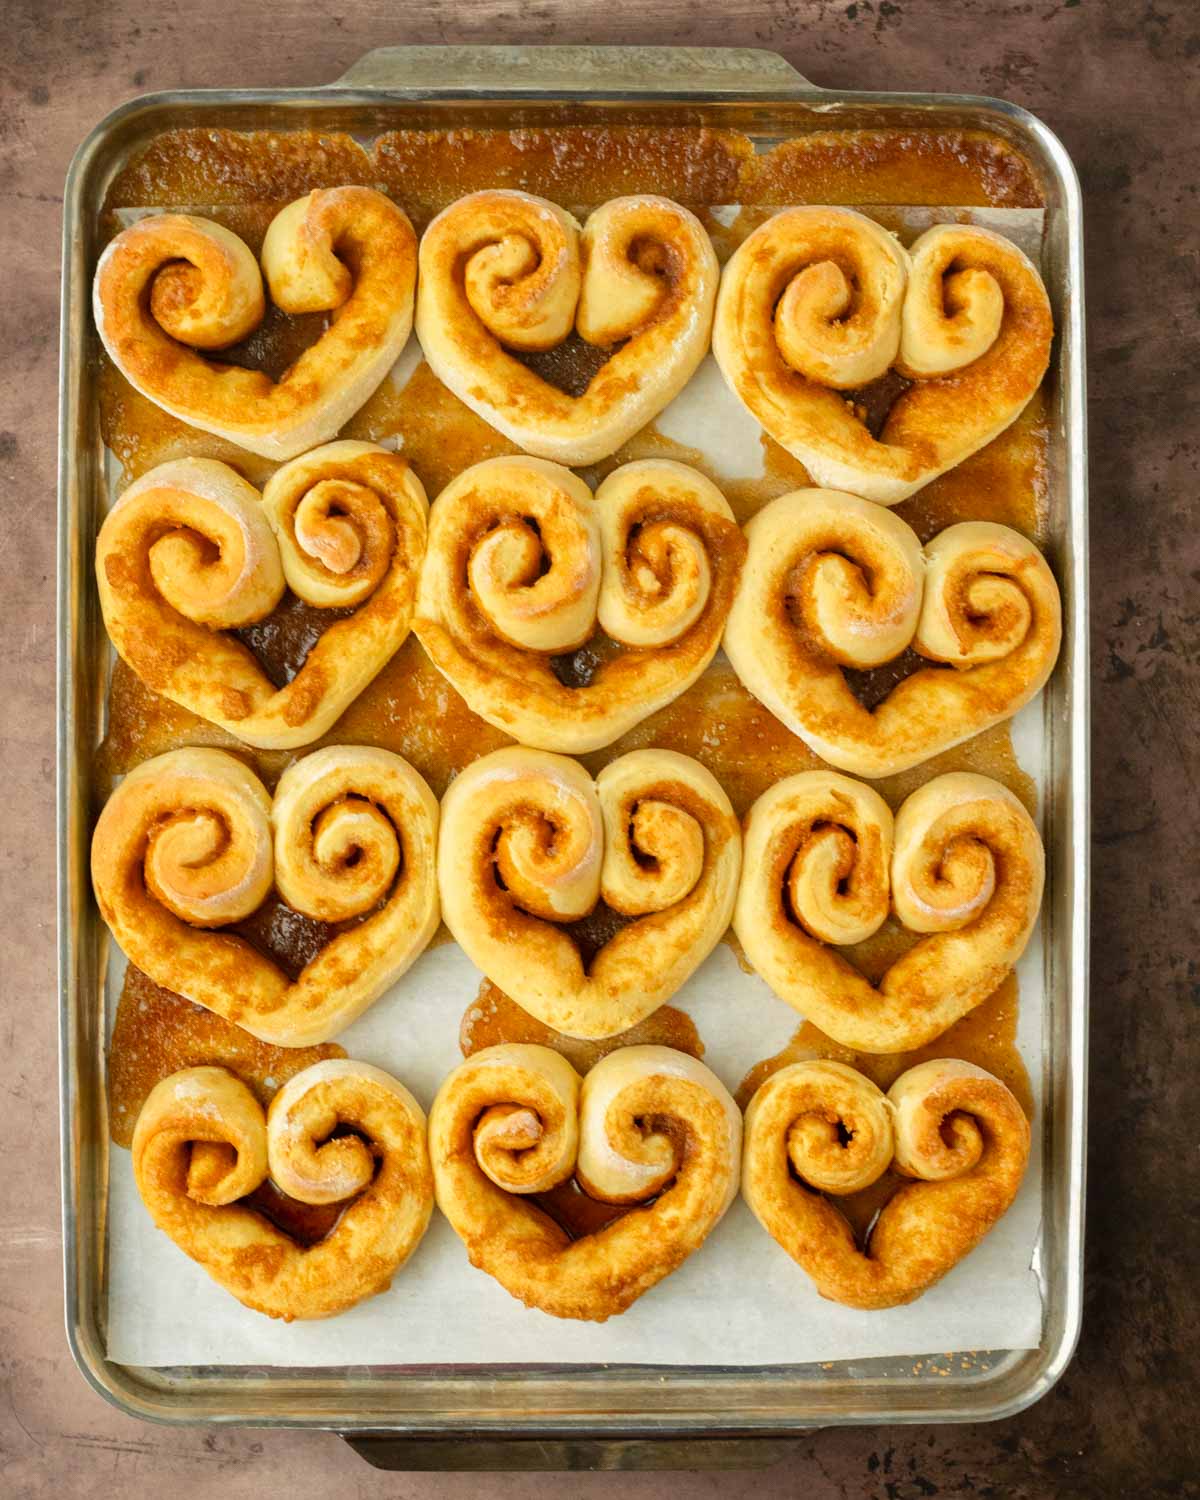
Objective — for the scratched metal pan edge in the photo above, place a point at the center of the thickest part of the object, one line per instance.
(741, 89)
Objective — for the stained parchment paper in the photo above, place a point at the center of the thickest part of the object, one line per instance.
(739, 1300)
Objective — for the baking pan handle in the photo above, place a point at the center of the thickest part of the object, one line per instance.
(642, 70)
(475, 1455)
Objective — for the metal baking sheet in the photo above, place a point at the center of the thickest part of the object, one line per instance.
(756, 93)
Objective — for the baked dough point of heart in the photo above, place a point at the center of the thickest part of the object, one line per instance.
(191, 552)
(824, 862)
(832, 581)
(203, 1141)
(172, 284)
(505, 272)
(818, 302)
(529, 842)
(524, 566)
(644, 1123)
(192, 841)
(817, 1130)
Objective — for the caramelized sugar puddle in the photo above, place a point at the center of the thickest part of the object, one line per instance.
(157, 1032)
(987, 1036)
(575, 164)
(600, 926)
(579, 668)
(306, 1223)
(872, 404)
(409, 708)
(873, 685)
(288, 937)
(571, 366)
(493, 1018)
(282, 641)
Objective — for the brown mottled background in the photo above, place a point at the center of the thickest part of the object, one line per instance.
(1117, 79)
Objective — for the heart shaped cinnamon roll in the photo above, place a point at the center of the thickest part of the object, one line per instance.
(192, 841)
(173, 284)
(338, 1133)
(531, 584)
(647, 1126)
(818, 303)
(504, 273)
(833, 582)
(823, 864)
(191, 552)
(818, 1130)
(529, 843)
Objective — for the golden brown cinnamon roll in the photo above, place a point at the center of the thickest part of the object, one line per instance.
(191, 552)
(203, 1145)
(817, 303)
(647, 1126)
(192, 841)
(504, 272)
(172, 284)
(832, 581)
(964, 865)
(818, 1130)
(529, 843)
(523, 564)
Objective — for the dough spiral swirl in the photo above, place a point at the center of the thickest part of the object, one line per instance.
(529, 842)
(522, 565)
(820, 1128)
(191, 551)
(645, 1123)
(192, 840)
(832, 581)
(173, 284)
(820, 301)
(506, 271)
(202, 1142)
(963, 864)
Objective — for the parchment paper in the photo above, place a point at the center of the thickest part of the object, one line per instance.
(739, 1300)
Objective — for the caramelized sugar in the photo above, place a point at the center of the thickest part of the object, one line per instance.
(581, 165)
(987, 1036)
(577, 1213)
(872, 685)
(141, 435)
(409, 708)
(872, 403)
(570, 365)
(283, 640)
(203, 165)
(157, 1033)
(969, 167)
(575, 166)
(287, 936)
(438, 435)
(580, 667)
(493, 1018)
(1006, 482)
(747, 749)
(306, 1223)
